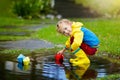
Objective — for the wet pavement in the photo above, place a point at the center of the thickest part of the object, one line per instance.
(15, 33)
(30, 44)
(26, 44)
(45, 68)
(35, 27)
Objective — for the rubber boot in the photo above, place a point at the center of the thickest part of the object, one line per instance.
(81, 58)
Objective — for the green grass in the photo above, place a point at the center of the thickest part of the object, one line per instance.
(12, 21)
(110, 77)
(107, 30)
(13, 38)
(9, 24)
(50, 34)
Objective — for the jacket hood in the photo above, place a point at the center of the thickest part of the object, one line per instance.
(76, 24)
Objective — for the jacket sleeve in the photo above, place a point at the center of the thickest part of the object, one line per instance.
(67, 43)
(78, 38)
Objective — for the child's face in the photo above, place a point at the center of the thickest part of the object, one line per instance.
(66, 29)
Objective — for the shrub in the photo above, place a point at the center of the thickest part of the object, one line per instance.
(31, 8)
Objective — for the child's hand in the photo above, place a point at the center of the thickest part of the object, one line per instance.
(60, 52)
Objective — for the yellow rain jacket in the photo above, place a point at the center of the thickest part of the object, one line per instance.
(80, 34)
(76, 35)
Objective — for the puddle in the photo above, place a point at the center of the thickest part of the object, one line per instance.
(25, 44)
(44, 68)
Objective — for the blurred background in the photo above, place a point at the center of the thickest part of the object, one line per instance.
(60, 8)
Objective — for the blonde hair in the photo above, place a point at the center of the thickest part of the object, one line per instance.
(61, 22)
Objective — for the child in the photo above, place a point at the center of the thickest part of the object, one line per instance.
(81, 41)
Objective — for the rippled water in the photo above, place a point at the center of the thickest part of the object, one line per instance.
(45, 69)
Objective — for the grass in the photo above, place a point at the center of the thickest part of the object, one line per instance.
(12, 24)
(50, 34)
(111, 77)
(9, 24)
(11, 38)
(107, 30)
(13, 21)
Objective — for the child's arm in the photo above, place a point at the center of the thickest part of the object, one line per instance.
(78, 38)
(61, 51)
(67, 46)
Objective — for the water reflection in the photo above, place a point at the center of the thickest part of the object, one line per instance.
(46, 69)
(23, 67)
(77, 73)
(2, 70)
(54, 71)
